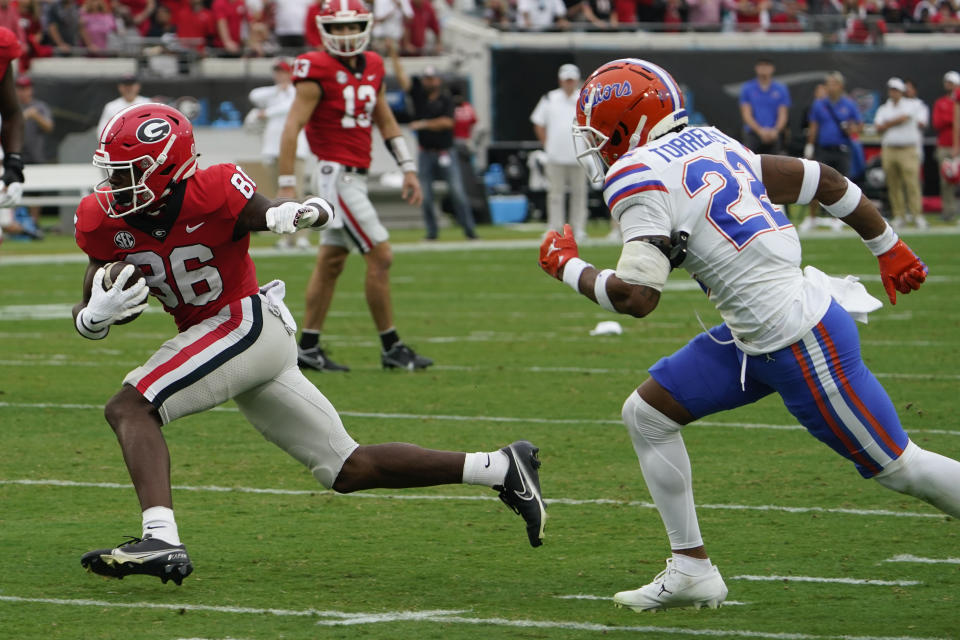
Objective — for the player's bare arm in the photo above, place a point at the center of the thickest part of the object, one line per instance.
(783, 177)
(282, 215)
(397, 145)
(632, 289)
(304, 102)
(790, 180)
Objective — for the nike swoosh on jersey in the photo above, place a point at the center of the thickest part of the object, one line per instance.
(195, 227)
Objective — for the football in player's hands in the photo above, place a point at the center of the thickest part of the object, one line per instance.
(111, 271)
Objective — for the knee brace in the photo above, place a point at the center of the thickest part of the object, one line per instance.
(898, 475)
(647, 425)
(926, 475)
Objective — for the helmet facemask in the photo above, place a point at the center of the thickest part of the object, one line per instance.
(349, 44)
(133, 195)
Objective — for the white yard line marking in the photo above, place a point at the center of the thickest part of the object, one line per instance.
(225, 609)
(906, 557)
(881, 583)
(339, 618)
(470, 498)
(458, 418)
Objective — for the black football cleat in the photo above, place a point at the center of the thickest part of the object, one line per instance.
(315, 358)
(400, 356)
(521, 488)
(141, 556)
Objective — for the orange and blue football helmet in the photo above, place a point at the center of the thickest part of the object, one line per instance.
(623, 105)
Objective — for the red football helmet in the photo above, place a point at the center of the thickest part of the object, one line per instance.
(623, 105)
(950, 169)
(154, 144)
(345, 12)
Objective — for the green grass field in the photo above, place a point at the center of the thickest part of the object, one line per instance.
(278, 557)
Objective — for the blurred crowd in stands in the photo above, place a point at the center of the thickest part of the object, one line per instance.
(843, 21)
(200, 27)
(266, 27)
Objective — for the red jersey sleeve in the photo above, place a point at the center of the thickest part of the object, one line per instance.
(221, 191)
(89, 217)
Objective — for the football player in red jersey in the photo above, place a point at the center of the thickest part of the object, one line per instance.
(340, 95)
(188, 229)
(11, 131)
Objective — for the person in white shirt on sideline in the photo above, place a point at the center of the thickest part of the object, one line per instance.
(551, 122)
(901, 120)
(129, 89)
(271, 106)
(911, 93)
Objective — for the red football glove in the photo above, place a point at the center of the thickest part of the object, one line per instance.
(556, 250)
(901, 270)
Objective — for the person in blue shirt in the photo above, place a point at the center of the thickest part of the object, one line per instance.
(833, 120)
(764, 106)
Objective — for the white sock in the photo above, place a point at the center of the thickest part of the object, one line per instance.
(158, 522)
(488, 469)
(690, 565)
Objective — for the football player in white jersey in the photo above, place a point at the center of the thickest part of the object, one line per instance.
(693, 197)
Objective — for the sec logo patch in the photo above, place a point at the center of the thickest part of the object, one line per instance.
(124, 240)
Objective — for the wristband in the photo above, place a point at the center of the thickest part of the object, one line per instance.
(811, 180)
(883, 242)
(398, 149)
(849, 201)
(571, 272)
(88, 332)
(286, 181)
(600, 290)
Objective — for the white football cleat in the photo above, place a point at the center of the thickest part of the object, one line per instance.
(671, 589)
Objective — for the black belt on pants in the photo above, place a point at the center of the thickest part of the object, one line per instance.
(358, 170)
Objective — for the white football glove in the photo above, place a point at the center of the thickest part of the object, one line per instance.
(113, 305)
(290, 217)
(10, 194)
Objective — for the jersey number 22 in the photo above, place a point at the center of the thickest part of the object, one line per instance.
(739, 207)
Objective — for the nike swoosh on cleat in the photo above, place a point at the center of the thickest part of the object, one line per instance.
(526, 494)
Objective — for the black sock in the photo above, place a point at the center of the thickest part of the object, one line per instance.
(309, 339)
(389, 338)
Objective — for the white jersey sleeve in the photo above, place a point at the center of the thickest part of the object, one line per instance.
(628, 181)
(647, 214)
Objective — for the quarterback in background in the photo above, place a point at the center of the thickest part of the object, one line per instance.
(187, 230)
(340, 96)
(692, 197)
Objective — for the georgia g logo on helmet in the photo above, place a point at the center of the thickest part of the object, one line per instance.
(153, 130)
